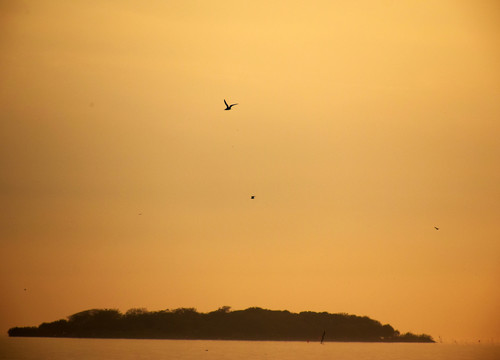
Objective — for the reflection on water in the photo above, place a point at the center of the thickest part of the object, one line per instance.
(117, 349)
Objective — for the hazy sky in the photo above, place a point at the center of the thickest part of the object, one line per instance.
(361, 125)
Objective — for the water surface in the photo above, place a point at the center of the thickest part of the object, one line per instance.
(121, 349)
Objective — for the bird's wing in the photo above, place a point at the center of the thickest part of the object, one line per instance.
(233, 104)
(225, 102)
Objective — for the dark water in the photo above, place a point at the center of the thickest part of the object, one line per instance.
(104, 349)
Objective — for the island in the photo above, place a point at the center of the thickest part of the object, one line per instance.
(223, 324)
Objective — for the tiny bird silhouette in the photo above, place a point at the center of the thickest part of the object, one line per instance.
(435, 227)
(228, 107)
(252, 197)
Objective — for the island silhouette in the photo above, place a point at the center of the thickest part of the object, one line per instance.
(223, 324)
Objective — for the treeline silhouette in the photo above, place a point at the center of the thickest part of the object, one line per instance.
(222, 324)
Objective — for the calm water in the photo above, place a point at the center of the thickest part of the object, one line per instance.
(94, 349)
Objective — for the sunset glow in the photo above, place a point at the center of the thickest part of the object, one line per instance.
(360, 127)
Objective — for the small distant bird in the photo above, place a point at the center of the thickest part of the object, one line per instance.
(435, 227)
(24, 289)
(252, 197)
(228, 107)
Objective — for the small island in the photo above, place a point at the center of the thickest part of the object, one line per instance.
(223, 324)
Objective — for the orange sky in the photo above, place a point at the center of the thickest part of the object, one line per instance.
(360, 126)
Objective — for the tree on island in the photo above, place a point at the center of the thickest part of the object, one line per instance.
(222, 324)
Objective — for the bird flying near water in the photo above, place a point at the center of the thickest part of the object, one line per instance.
(228, 107)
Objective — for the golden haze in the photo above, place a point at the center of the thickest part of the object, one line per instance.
(360, 126)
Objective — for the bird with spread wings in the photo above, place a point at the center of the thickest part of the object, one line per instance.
(228, 107)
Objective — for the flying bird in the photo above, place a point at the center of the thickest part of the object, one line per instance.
(228, 107)
(435, 227)
(252, 197)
